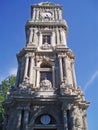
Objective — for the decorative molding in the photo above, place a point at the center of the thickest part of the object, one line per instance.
(46, 46)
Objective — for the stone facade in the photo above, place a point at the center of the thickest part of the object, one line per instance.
(46, 95)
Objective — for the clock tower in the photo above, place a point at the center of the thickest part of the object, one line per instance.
(46, 95)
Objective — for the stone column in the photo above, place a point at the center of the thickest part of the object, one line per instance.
(27, 35)
(19, 116)
(58, 36)
(34, 13)
(35, 36)
(61, 68)
(55, 14)
(26, 67)
(53, 76)
(73, 75)
(38, 79)
(25, 120)
(65, 40)
(53, 38)
(40, 39)
(65, 66)
(31, 35)
(68, 70)
(84, 120)
(37, 14)
(23, 60)
(62, 36)
(72, 120)
(65, 120)
(31, 69)
(60, 14)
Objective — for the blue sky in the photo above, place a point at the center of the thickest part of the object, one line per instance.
(82, 19)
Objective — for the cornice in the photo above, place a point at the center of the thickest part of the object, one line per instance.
(46, 5)
(59, 23)
(25, 50)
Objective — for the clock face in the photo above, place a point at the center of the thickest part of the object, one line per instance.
(45, 119)
(46, 15)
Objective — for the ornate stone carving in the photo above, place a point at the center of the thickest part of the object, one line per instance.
(65, 88)
(78, 117)
(79, 93)
(45, 85)
(46, 46)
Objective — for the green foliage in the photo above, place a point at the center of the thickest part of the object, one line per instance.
(4, 88)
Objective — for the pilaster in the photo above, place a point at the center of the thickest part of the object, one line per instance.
(58, 36)
(56, 14)
(85, 120)
(62, 36)
(37, 78)
(60, 68)
(31, 68)
(72, 119)
(65, 66)
(31, 35)
(53, 77)
(65, 120)
(25, 120)
(40, 39)
(34, 11)
(19, 116)
(73, 75)
(35, 39)
(26, 67)
(53, 38)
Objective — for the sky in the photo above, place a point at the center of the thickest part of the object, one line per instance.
(82, 20)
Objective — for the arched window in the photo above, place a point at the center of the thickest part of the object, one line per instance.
(45, 119)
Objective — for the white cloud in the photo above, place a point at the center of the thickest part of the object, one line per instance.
(91, 80)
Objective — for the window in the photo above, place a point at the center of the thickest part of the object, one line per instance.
(46, 71)
(48, 75)
(46, 39)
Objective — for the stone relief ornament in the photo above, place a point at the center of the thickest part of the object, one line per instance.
(45, 85)
(79, 93)
(78, 117)
(46, 46)
(65, 88)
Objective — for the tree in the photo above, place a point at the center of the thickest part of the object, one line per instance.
(4, 88)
